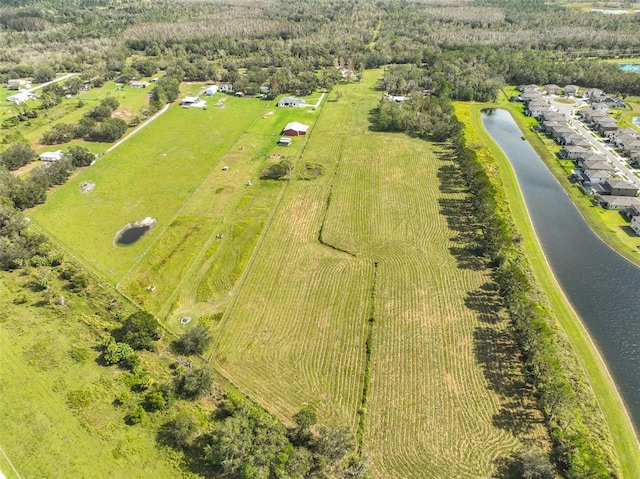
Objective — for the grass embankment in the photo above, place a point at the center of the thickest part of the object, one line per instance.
(445, 394)
(56, 402)
(610, 402)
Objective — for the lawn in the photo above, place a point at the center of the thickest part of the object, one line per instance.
(373, 250)
(622, 433)
(56, 403)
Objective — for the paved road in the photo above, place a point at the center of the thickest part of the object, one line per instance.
(42, 85)
(618, 161)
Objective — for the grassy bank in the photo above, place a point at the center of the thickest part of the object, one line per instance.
(622, 432)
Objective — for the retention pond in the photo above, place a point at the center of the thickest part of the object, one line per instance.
(603, 287)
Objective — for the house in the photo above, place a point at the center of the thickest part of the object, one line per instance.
(554, 116)
(529, 88)
(226, 88)
(613, 102)
(552, 89)
(635, 224)
(606, 126)
(572, 152)
(619, 187)
(138, 84)
(291, 101)
(211, 90)
(617, 202)
(595, 164)
(557, 131)
(17, 84)
(20, 97)
(594, 95)
(571, 90)
(284, 141)
(51, 155)
(601, 106)
(188, 101)
(396, 98)
(593, 177)
(295, 129)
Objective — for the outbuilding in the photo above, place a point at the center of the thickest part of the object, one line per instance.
(295, 128)
(51, 155)
(284, 141)
(211, 90)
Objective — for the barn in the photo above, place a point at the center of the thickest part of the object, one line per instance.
(295, 129)
(290, 101)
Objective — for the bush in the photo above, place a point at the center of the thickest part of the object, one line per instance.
(180, 431)
(136, 416)
(194, 341)
(140, 330)
(196, 382)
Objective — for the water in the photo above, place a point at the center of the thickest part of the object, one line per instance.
(133, 234)
(636, 120)
(603, 287)
(629, 67)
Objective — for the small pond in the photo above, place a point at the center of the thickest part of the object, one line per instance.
(134, 231)
(629, 67)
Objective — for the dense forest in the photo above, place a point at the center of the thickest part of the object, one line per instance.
(434, 51)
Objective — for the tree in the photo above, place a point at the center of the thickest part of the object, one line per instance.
(110, 102)
(43, 74)
(532, 464)
(111, 129)
(115, 352)
(59, 133)
(18, 154)
(140, 331)
(194, 341)
(195, 382)
(99, 112)
(49, 99)
(80, 156)
(180, 431)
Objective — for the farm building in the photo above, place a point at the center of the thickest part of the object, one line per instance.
(20, 98)
(138, 84)
(17, 84)
(51, 155)
(193, 102)
(291, 101)
(211, 90)
(284, 141)
(226, 88)
(295, 129)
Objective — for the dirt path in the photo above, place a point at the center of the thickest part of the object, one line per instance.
(137, 129)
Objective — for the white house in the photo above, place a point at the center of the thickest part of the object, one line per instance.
(17, 84)
(226, 88)
(138, 84)
(20, 97)
(51, 155)
(291, 101)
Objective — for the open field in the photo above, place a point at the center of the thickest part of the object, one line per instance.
(622, 433)
(370, 252)
(56, 403)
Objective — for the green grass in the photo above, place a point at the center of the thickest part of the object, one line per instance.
(611, 404)
(295, 331)
(49, 362)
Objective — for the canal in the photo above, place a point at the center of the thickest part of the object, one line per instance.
(603, 287)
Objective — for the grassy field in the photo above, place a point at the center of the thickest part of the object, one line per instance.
(372, 252)
(56, 403)
(619, 424)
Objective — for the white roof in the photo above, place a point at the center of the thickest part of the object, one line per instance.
(297, 126)
(190, 99)
(51, 155)
(19, 98)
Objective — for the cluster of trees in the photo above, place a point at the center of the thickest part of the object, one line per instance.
(570, 409)
(30, 191)
(19, 245)
(96, 125)
(248, 442)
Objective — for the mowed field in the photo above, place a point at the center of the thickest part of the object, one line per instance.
(171, 171)
(375, 248)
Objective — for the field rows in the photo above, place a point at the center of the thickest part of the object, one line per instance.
(296, 332)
